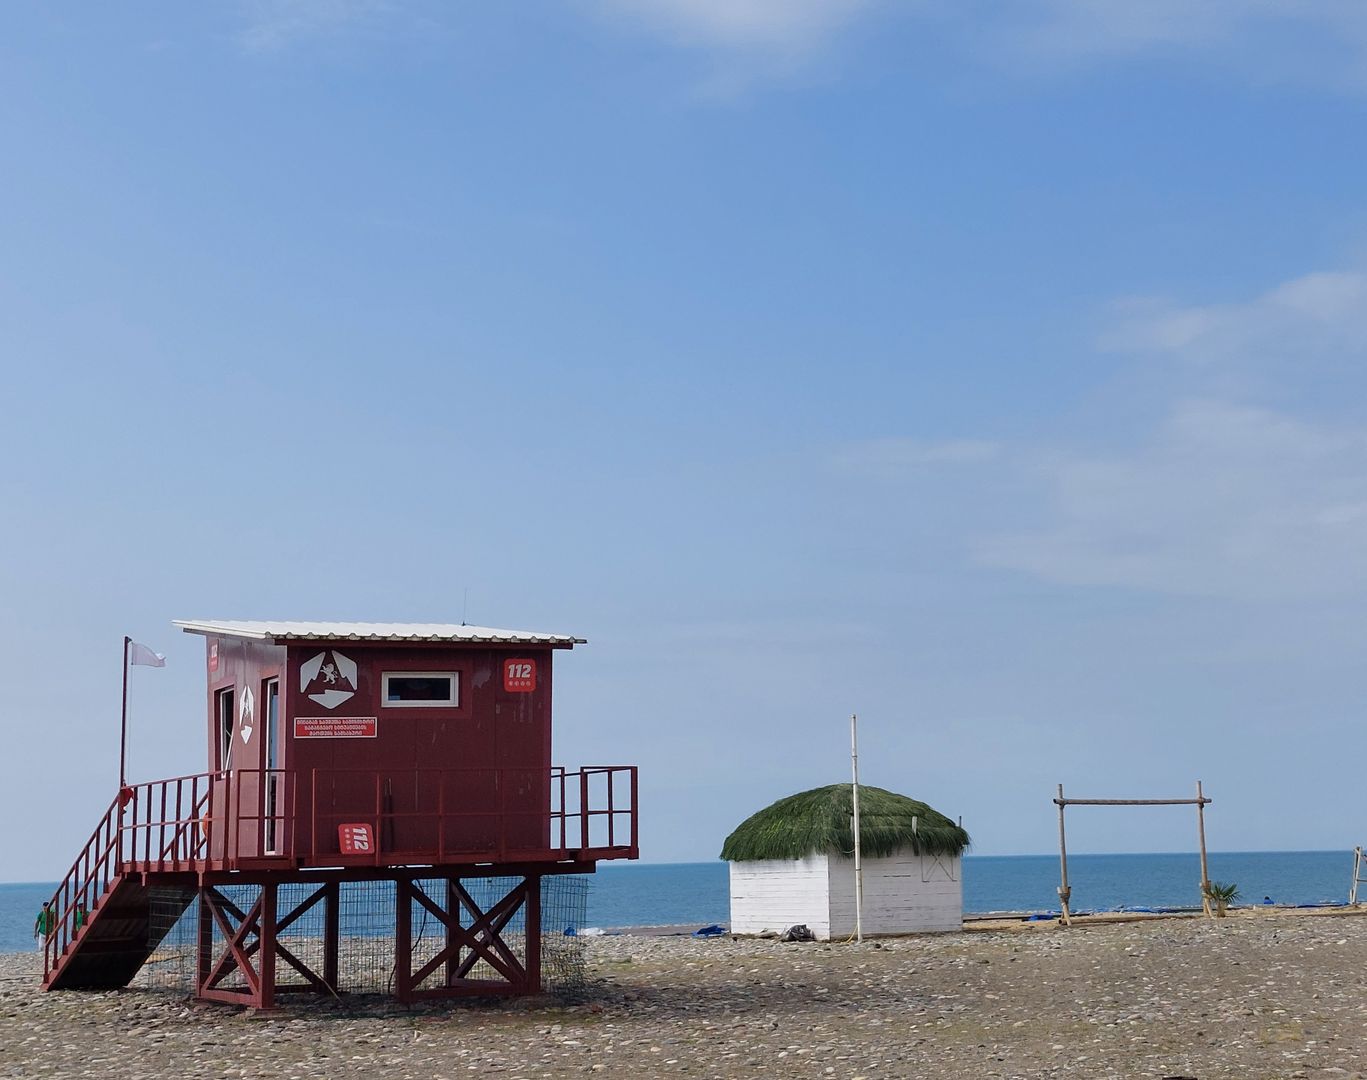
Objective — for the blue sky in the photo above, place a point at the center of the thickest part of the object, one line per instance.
(996, 376)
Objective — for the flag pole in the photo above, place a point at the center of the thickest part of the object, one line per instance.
(123, 722)
(123, 762)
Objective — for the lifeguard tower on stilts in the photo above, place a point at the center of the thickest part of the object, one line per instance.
(413, 756)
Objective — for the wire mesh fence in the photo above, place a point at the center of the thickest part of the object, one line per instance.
(366, 954)
(173, 933)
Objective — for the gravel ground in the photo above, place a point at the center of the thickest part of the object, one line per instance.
(1261, 994)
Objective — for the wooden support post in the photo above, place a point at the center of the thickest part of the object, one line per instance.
(403, 940)
(204, 961)
(454, 909)
(531, 913)
(1065, 892)
(1201, 832)
(266, 950)
(332, 934)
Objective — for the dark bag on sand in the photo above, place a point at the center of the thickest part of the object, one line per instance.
(797, 933)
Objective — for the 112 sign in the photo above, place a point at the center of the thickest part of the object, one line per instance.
(519, 676)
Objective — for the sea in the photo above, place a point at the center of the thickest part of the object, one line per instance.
(695, 894)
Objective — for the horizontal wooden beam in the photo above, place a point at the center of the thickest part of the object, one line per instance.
(1133, 802)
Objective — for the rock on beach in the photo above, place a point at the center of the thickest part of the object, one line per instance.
(1259, 995)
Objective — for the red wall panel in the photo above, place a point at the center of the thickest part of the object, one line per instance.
(461, 778)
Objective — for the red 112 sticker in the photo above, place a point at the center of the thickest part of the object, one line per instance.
(519, 676)
(355, 839)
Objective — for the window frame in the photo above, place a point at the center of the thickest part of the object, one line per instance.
(452, 702)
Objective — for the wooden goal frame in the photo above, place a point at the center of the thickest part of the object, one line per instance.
(1065, 891)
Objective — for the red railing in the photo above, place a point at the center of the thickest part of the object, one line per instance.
(84, 885)
(425, 815)
(605, 780)
(134, 818)
(255, 817)
(163, 826)
(219, 820)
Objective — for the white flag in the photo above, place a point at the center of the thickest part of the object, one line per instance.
(141, 654)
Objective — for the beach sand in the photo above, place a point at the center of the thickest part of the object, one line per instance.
(1259, 995)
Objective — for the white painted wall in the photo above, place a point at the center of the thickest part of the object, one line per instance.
(775, 894)
(903, 894)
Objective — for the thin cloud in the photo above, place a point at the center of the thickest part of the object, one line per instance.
(767, 633)
(1223, 500)
(788, 26)
(1307, 316)
(276, 24)
(1322, 43)
(897, 455)
(1094, 27)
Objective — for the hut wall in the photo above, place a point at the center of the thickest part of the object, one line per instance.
(904, 893)
(245, 669)
(774, 894)
(460, 765)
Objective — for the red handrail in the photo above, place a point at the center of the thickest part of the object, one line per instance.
(84, 884)
(504, 827)
(196, 822)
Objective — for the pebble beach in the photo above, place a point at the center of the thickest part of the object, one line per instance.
(1261, 994)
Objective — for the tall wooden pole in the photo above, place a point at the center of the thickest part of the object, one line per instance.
(1064, 891)
(858, 863)
(1201, 832)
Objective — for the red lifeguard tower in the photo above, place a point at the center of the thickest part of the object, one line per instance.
(399, 754)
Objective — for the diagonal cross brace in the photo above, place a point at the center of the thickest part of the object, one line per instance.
(482, 938)
(236, 953)
(485, 933)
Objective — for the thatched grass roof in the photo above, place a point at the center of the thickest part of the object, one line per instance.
(819, 821)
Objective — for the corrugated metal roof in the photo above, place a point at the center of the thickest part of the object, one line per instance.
(359, 631)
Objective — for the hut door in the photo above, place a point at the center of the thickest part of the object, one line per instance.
(272, 696)
(226, 715)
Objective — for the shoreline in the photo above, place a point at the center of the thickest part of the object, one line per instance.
(995, 920)
(973, 922)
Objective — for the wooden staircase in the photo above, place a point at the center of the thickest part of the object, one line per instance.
(106, 923)
(118, 937)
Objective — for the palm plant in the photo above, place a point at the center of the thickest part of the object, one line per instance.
(1221, 894)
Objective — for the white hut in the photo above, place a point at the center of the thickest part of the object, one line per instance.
(793, 863)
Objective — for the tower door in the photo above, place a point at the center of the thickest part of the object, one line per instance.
(224, 727)
(273, 778)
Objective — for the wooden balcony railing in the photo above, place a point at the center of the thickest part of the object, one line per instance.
(231, 820)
